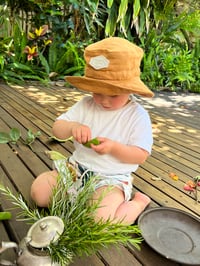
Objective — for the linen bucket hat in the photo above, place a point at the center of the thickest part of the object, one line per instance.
(112, 68)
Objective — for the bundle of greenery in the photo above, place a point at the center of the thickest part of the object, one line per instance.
(82, 235)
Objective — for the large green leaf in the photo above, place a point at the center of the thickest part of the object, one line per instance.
(55, 52)
(122, 9)
(112, 20)
(20, 66)
(73, 69)
(44, 63)
(136, 8)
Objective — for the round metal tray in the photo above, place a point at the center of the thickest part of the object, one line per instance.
(172, 233)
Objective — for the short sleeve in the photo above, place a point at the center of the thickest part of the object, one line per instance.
(76, 112)
(141, 135)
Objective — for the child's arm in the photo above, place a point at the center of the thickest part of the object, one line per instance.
(124, 153)
(63, 129)
(129, 154)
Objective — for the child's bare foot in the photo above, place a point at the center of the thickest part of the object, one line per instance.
(142, 199)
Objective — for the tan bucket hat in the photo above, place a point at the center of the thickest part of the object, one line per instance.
(112, 68)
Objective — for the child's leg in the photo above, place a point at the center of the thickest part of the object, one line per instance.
(133, 208)
(41, 189)
(114, 206)
(111, 200)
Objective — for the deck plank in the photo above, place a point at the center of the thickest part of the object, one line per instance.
(176, 149)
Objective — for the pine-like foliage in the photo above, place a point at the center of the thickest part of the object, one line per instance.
(82, 234)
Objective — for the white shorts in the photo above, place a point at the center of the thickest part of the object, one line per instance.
(82, 175)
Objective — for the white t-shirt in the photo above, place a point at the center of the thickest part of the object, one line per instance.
(129, 125)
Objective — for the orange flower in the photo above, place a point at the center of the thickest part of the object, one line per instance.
(173, 176)
(191, 183)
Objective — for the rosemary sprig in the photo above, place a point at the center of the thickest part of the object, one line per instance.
(82, 234)
(26, 214)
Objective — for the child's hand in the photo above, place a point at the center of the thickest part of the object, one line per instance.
(81, 133)
(105, 146)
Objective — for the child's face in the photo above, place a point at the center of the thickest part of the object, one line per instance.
(111, 102)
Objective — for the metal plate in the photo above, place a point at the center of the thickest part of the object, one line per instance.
(173, 233)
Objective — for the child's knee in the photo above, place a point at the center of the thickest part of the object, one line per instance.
(39, 197)
(41, 189)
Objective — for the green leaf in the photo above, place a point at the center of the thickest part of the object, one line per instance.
(94, 141)
(122, 9)
(10, 74)
(55, 155)
(112, 20)
(60, 140)
(54, 54)
(20, 66)
(44, 63)
(5, 215)
(14, 134)
(136, 8)
(4, 137)
(109, 3)
(37, 134)
(73, 69)
(30, 136)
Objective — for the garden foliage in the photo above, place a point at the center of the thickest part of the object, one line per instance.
(45, 40)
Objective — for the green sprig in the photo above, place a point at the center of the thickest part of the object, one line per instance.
(83, 235)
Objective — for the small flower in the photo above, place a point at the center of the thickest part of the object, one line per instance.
(188, 188)
(192, 186)
(173, 176)
(191, 183)
(31, 51)
(38, 32)
(41, 31)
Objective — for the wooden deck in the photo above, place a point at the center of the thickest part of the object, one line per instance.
(176, 126)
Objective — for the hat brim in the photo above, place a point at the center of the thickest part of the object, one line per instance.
(110, 87)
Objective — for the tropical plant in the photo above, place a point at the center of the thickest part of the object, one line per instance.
(52, 52)
(153, 25)
(160, 27)
(178, 68)
(13, 65)
(65, 59)
(168, 66)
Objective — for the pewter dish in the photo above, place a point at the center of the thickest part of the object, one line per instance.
(172, 233)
